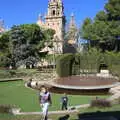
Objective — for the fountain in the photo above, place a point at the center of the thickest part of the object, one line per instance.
(80, 85)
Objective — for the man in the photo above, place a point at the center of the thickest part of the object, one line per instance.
(64, 101)
(45, 101)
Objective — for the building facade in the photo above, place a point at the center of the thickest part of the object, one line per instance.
(2, 28)
(55, 19)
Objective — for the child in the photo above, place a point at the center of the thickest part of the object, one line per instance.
(64, 101)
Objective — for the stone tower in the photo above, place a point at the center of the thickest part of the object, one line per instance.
(55, 19)
(2, 29)
(72, 24)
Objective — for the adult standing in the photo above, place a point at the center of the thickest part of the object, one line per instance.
(45, 101)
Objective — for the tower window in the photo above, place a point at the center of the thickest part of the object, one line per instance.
(53, 12)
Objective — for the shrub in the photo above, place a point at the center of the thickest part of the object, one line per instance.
(12, 73)
(4, 74)
(64, 65)
(6, 108)
(100, 103)
(88, 62)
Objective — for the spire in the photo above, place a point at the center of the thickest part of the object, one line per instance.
(1, 23)
(72, 22)
(40, 20)
(40, 17)
(72, 30)
(2, 28)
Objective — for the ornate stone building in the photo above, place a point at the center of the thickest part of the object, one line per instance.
(55, 19)
(2, 29)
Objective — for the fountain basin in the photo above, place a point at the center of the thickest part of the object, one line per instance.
(81, 85)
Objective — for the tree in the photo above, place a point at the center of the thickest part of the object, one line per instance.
(113, 10)
(4, 50)
(17, 39)
(104, 31)
(24, 41)
(48, 36)
(21, 45)
(4, 42)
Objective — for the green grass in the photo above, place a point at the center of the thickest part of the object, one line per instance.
(33, 117)
(15, 93)
(113, 111)
(27, 99)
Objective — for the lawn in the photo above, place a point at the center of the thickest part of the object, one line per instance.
(15, 93)
(35, 117)
(83, 113)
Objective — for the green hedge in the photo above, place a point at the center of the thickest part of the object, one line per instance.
(113, 60)
(64, 65)
(87, 63)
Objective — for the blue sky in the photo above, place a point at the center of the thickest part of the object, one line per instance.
(26, 11)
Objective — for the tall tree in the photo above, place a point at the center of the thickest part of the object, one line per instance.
(22, 44)
(24, 41)
(104, 31)
(4, 50)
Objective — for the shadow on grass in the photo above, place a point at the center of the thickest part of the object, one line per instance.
(100, 116)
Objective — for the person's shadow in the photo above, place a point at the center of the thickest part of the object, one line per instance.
(66, 117)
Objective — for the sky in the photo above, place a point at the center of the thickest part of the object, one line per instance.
(15, 12)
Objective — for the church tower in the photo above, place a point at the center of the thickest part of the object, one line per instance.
(2, 29)
(55, 19)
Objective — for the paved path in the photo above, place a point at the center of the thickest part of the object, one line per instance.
(50, 113)
(75, 110)
(116, 93)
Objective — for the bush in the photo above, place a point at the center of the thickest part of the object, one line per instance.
(4, 74)
(89, 62)
(64, 65)
(12, 73)
(100, 103)
(6, 108)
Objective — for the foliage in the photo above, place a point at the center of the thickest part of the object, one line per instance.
(6, 108)
(15, 93)
(104, 31)
(48, 36)
(4, 42)
(24, 40)
(64, 65)
(90, 62)
(4, 50)
(21, 45)
(100, 103)
(113, 61)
